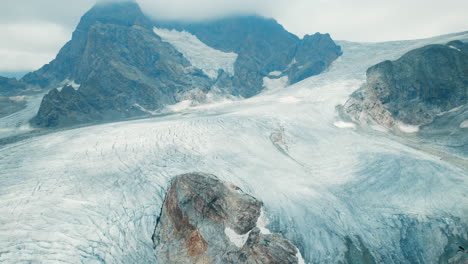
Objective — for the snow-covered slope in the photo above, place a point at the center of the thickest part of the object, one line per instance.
(92, 195)
(201, 56)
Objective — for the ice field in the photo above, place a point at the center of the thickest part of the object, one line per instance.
(92, 194)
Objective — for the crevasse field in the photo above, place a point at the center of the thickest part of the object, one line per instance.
(93, 194)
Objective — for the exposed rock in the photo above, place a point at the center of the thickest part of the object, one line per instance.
(263, 46)
(11, 86)
(204, 220)
(313, 55)
(414, 89)
(65, 107)
(123, 69)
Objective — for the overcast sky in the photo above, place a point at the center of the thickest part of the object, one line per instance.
(32, 31)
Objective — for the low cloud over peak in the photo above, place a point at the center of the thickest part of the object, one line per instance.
(359, 20)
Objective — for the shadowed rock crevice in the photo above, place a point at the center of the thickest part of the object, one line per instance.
(204, 220)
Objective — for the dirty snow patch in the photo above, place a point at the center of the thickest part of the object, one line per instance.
(200, 55)
(236, 239)
(70, 83)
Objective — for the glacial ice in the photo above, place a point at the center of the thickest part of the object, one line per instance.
(201, 56)
(93, 194)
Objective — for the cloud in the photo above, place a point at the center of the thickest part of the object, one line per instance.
(27, 46)
(32, 32)
(206, 9)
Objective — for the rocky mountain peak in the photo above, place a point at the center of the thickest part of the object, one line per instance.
(116, 13)
(205, 220)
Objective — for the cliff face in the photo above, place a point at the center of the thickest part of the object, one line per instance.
(204, 220)
(263, 46)
(123, 69)
(416, 88)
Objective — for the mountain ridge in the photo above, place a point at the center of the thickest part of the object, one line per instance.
(115, 41)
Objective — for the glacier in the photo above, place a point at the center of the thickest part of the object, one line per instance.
(200, 55)
(93, 194)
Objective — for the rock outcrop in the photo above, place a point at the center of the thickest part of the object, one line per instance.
(204, 220)
(415, 89)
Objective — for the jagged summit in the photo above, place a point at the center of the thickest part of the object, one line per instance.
(69, 63)
(232, 33)
(126, 13)
(126, 69)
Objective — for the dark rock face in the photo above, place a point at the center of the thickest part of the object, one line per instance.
(415, 88)
(201, 217)
(263, 46)
(65, 107)
(124, 70)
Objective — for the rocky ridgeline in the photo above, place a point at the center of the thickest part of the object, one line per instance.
(204, 220)
(125, 70)
(415, 89)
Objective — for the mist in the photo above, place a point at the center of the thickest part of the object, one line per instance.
(32, 32)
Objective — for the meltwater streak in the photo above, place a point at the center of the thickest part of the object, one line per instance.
(92, 195)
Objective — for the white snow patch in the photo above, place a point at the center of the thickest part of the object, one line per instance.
(275, 84)
(464, 124)
(200, 55)
(275, 73)
(342, 124)
(236, 239)
(408, 128)
(262, 221)
(455, 48)
(300, 259)
(68, 82)
(451, 110)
